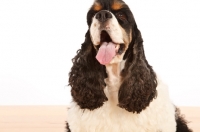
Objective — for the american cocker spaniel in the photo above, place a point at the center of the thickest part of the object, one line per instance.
(114, 88)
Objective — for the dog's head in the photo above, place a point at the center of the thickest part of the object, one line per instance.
(112, 36)
(111, 26)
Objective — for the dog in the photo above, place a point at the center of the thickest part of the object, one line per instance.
(114, 89)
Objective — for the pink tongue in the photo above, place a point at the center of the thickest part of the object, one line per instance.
(106, 53)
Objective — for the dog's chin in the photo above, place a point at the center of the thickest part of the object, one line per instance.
(109, 51)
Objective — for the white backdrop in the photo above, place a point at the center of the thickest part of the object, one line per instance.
(38, 39)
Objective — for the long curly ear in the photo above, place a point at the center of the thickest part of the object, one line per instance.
(139, 82)
(87, 77)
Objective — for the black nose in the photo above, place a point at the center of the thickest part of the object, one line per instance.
(103, 16)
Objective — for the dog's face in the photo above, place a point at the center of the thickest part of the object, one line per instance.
(111, 23)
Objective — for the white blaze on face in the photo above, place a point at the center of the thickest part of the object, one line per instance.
(108, 50)
(111, 26)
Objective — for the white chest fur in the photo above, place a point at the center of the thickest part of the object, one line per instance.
(158, 117)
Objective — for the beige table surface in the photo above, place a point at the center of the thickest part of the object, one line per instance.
(52, 118)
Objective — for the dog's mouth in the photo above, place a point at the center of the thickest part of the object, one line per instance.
(105, 37)
(108, 49)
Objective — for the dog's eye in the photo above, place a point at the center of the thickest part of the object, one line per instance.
(121, 16)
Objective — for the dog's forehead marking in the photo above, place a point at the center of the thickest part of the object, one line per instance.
(97, 6)
(117, 5)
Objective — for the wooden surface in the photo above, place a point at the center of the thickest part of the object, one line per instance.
(52, 118)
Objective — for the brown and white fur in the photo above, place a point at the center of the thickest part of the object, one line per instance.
(123, 95)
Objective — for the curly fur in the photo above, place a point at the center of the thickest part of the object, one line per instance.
(181, 122)
(87, 77)
(136, 95)
(139, 84)
(67, 127)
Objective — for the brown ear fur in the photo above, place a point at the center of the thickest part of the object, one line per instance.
(139, 80)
